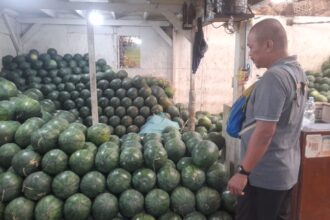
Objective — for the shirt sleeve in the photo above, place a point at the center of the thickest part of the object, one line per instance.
(270, 98)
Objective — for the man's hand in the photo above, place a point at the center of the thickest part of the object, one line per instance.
(237, 184)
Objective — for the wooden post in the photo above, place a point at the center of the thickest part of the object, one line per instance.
(92, 72)
(192, 92)
(233, 150)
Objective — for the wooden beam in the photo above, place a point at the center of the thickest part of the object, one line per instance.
(163, 35)
(13, 33)
(28, 34)
(48, 12)
(113, 14)
(81, 13)
(177, 24)
(145, 15)
(62, 5)
(84, 22)
(92, 72)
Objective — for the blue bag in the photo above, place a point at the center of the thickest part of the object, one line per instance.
(237, 113)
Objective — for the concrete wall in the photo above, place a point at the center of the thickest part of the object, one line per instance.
(214, 77)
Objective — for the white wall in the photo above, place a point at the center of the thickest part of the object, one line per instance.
(156, 54)
(214, 77)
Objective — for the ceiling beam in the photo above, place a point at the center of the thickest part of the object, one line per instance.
(49, 12)
(177, 24)
(163, 35)
(62, 5)
(84, 22)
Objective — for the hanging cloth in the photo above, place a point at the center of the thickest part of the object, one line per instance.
(200, 46)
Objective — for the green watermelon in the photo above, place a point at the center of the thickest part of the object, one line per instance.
(25, 162)
(157, 202)
(183, 162)
(77, 207)
(105, 206)
(192, 143)
(10, 186)
(207, 200)
(192, 177)
(75, 161)
(65, 184)
(144, 180)
(49, 207)
(155, 157)
(131, 202)
(118, 180)
(7, 131)
(143, 216)
(2, 210)
(190, 134)
(79, 126)
(205, 154)
(217, 176)
(7, 110)
(182, 201)
(131, 159)
(106, 159)
(7, 152)
(54, 162)
(71, 139)
(228, 201)
(99, 133)
(19, 209)
(220, 215)
(168, 178)
(92, 184)
(175, 149)
(36, 185)
(24, 132)
(170, 216)
(26, 108)
(44, 139)
(195, 216)
(7, 89)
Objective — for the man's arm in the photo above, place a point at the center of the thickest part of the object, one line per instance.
(257, 146)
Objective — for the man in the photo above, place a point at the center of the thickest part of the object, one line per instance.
(270, 142)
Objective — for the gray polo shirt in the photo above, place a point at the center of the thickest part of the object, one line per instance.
(273, 99)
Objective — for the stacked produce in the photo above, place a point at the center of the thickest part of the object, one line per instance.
(124, 103)
(55, 168)
(319, 83)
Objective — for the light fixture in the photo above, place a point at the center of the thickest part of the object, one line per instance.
(280, 1)
(95, 18)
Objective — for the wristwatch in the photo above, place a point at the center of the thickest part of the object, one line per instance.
(242, 171)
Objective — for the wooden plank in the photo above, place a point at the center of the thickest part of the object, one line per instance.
(92, 72)
(163, 35)
(48, 12)
(28, 34)
(192, 92)
(141, 23)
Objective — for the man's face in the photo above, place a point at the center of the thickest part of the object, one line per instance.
(257, 51)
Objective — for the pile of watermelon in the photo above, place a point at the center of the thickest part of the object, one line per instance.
(53, 167)
(319, 83)
(124, 102)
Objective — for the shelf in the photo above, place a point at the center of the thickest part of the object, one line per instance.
(225, 18)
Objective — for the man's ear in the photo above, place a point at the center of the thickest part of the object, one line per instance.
(269, 45)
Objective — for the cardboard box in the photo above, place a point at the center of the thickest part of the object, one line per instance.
(322, 112)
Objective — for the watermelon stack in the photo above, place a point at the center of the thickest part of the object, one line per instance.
(124, 102)
(53, 167)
